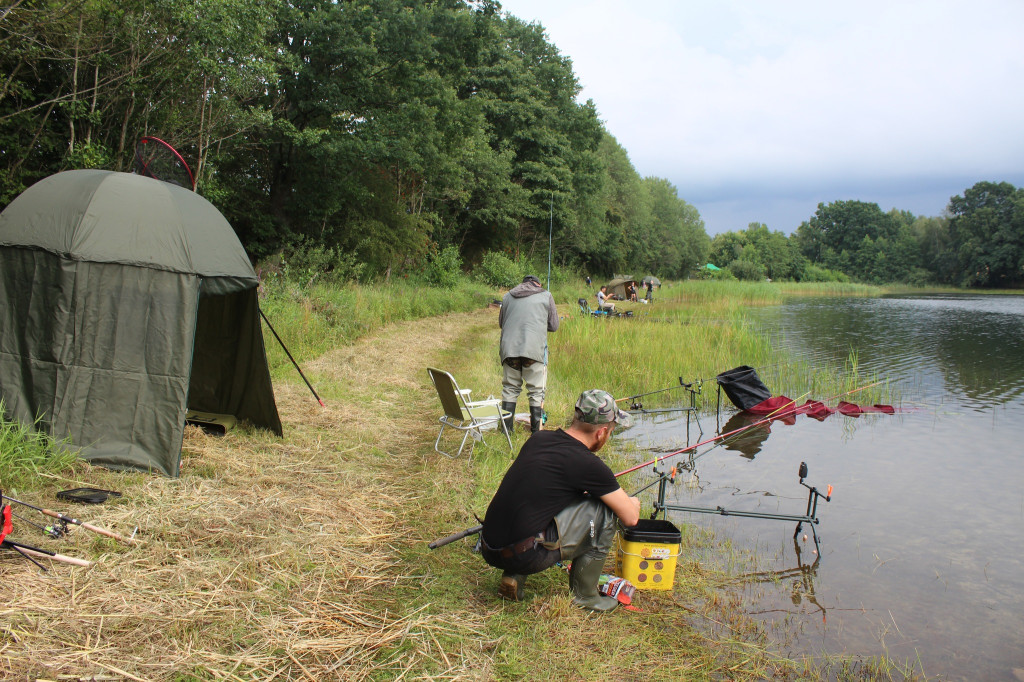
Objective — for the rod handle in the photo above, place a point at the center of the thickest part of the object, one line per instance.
(56, 557)
(455, 536)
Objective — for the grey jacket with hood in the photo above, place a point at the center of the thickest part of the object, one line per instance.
(527, 314)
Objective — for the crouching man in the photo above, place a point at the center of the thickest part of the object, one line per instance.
(558, 501)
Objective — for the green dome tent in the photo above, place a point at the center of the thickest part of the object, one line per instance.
(125, 302)
(618, 286)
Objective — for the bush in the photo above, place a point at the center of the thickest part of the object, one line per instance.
(445, 268)
(747, 270)
(814, 273)
(309, 263)
(498, 270)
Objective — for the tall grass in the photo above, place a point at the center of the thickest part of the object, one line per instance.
(25, 453)
(693, 331)
(313, 320)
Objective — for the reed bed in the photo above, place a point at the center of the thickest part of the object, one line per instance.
(693, 331)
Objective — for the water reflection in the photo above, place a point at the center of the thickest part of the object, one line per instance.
(800, 578)
(749, 441)
(918, 542)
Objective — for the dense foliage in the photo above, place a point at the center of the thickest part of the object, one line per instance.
(385, 130)
(376, 138)
(979, 243)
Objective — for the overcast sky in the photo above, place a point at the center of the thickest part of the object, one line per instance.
(757, 111)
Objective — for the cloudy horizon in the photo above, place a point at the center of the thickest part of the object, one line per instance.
(757, 112)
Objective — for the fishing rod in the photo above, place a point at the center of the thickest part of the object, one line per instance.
(299, 369)
(456, 536)
(551, 227)
(68, 519)
(771, 417)
(29, 552)
(682, 384)
(56, 530)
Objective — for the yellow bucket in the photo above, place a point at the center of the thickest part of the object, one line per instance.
(646, 554)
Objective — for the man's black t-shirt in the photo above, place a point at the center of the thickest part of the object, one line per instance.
(552, 471)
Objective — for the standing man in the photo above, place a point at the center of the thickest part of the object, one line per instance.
(559, 501)
(527, 314)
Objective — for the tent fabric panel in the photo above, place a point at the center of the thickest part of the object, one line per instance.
(109, 217)
(100, 352)
(123, 420)
(229, 364)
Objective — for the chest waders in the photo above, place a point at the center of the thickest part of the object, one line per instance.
(585, 534)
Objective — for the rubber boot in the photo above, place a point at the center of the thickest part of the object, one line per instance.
(509, 420)
(512, 586)
(583, 577)
(536, 418)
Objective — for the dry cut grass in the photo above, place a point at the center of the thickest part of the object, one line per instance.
(268, 558)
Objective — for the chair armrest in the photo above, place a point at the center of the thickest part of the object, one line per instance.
(483, 403)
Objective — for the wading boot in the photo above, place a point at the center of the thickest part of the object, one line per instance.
(583, 576)
(512, 586)
(509, 420)
(536, 418)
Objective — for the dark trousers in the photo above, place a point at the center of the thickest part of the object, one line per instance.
(533, 560)
(579, 528)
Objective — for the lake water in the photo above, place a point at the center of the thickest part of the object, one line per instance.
(922, 545)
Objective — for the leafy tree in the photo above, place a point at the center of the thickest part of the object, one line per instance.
(384, 130)
(935, 244)
(678, 242)
(81, 81)
(772, 253)
(858, 238)
(987, 228)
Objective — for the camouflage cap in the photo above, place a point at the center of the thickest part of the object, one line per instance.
(598, 407)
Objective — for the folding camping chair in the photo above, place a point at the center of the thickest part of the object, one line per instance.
(462, 414)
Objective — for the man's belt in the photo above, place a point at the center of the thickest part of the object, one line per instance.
(509, 551)
(519, 363)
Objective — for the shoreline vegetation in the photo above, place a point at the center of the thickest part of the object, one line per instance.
(306, 557)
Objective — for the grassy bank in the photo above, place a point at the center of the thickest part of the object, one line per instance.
(305, 557)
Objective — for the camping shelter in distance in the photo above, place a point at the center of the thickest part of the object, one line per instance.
(124, 302)
(618, 286)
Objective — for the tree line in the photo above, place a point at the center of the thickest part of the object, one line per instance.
(372, 138)
(375, 134)
(979, 242)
